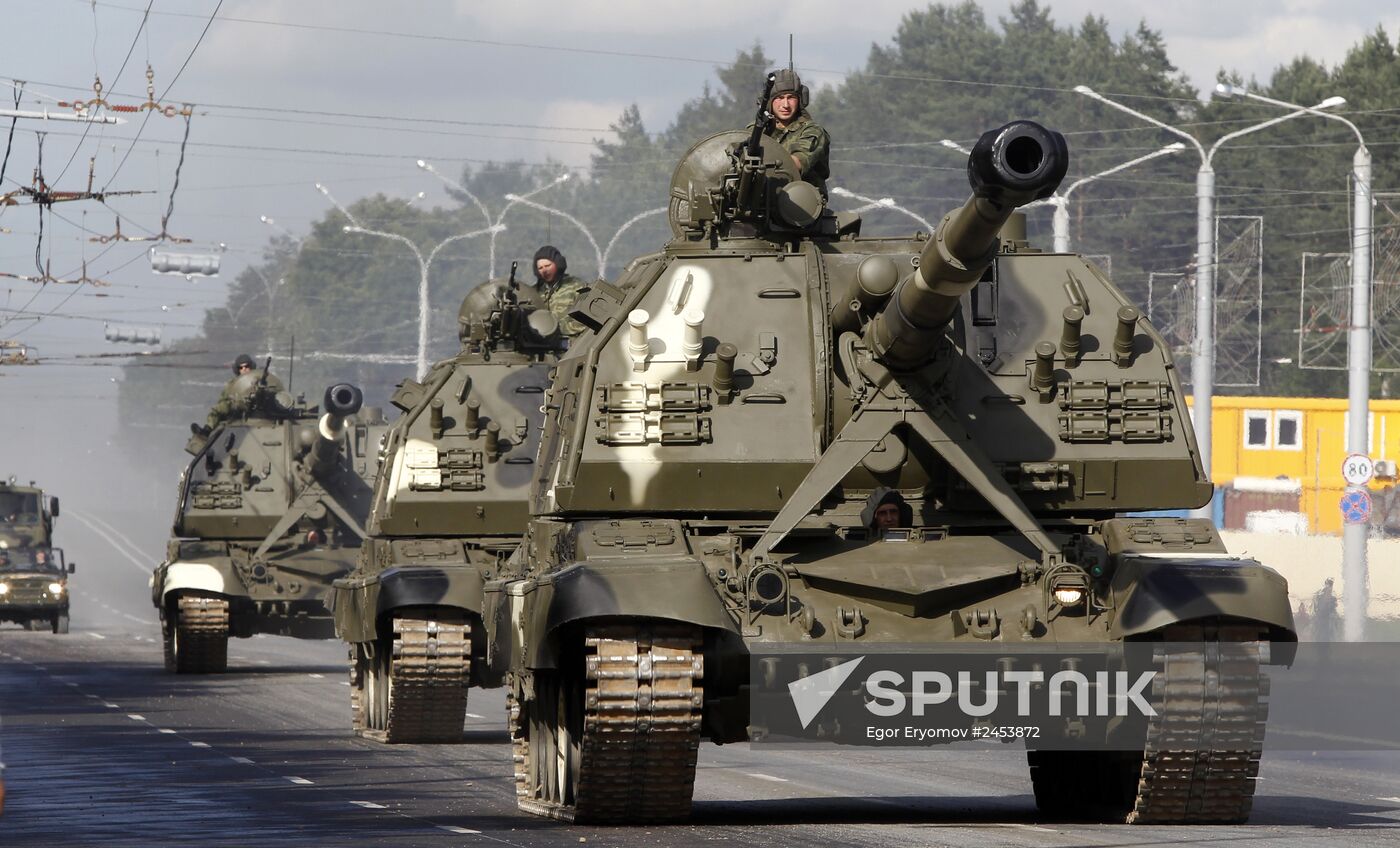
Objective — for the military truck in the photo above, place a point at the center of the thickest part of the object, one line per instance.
(34, 587)
(708, 452)
(26, 515)
(270, 511)
(449, 507)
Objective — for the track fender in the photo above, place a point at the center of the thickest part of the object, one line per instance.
(212, 576)
(361, 601)
(673, 589)
(1153, 591)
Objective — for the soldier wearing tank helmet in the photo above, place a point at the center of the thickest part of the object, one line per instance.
(557, 288)
(792, 127)
(234, 399)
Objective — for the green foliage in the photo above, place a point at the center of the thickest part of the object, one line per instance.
(350, 299)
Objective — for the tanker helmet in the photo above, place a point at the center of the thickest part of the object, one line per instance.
(786, 81)
(243, 359)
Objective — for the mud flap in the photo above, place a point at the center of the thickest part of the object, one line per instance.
(1152, 591)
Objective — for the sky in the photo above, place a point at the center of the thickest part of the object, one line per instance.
(350, 93)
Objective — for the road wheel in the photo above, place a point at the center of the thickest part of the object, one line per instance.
(197, 641)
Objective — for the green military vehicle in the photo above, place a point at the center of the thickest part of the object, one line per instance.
(271, 510)
(26, 515)
(34, 587)
(449, 507)
(709, 451)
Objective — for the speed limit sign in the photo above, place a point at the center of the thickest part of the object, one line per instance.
(1357, 469)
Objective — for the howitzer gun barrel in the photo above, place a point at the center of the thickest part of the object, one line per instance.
(342, 401)
(1009, 167)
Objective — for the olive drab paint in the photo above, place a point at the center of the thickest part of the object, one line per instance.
(707, 453)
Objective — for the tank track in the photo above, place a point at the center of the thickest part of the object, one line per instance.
(519, 745)
(1203, 748)
(196, 642)
(642, 707)
(429, 670)
(1201, 753)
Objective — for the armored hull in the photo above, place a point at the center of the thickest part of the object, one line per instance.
(708, 458)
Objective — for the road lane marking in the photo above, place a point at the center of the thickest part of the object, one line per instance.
(469, 715)
(135, 717)
(317, 676)
(1390, 800)
(96, 635)
(244, 760)
(300, 781)
(761, 776)
(199, 744)
(452, 828)
(110, 706)
(164, 730)
(369, 805)
(344, 683)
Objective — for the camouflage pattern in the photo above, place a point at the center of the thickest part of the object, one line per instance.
(29, 577)
(234, 400)
(26, 516)
(810, 144)
(561, 298)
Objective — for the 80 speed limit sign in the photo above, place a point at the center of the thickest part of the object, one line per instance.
(1357, 469)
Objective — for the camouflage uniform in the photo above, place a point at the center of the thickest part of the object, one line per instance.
(561, 298)
(809, 143)
(234, 399)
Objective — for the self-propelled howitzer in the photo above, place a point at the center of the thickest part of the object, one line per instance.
(767, 378)
(271, 510)
(449, 507)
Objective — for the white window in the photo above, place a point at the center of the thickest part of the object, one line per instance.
(1288, 430)
(1258, 433)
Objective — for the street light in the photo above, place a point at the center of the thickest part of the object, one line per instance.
(424, 266)
(486, 213)
(1354, 566)
(1203, 345)
(1060, 200)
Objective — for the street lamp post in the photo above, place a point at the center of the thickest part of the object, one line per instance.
(1060, 200)
(1354, 565)
(486, 213)
(1203, 345)
(424, 266)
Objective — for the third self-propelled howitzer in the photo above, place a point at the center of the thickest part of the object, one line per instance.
(271, 510)
(712, 456)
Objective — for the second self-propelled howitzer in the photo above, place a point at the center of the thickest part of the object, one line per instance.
(716, 459)
(271, 510)
(449, 507)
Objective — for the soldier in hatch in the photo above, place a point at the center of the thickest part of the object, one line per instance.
(238, 392)
(792, 127)
(886, 509)
(557, 288)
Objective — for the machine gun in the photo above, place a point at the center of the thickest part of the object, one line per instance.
(751, 156)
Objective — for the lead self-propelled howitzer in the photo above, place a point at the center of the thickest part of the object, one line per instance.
(450, 505)
(708, 455)
(271, 511)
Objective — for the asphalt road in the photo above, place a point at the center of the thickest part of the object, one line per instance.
(104, 748)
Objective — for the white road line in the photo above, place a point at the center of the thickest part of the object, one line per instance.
(144, 567)
(199, 744)
(317, 676)
(92, 696)
(164, 730)
(1390, 800)
(452, 828)
(135, 717)
(110, 706)
(369, 805)
(1030, 827)
(96, 635)
(344, 683)
(761, 776)
(300, 781)
(469, 715)
(244, 760)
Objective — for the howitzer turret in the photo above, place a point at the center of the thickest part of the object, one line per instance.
(1009, 167)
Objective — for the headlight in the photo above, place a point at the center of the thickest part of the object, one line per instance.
(55, 588)
(1069, 596)
(4, 588)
